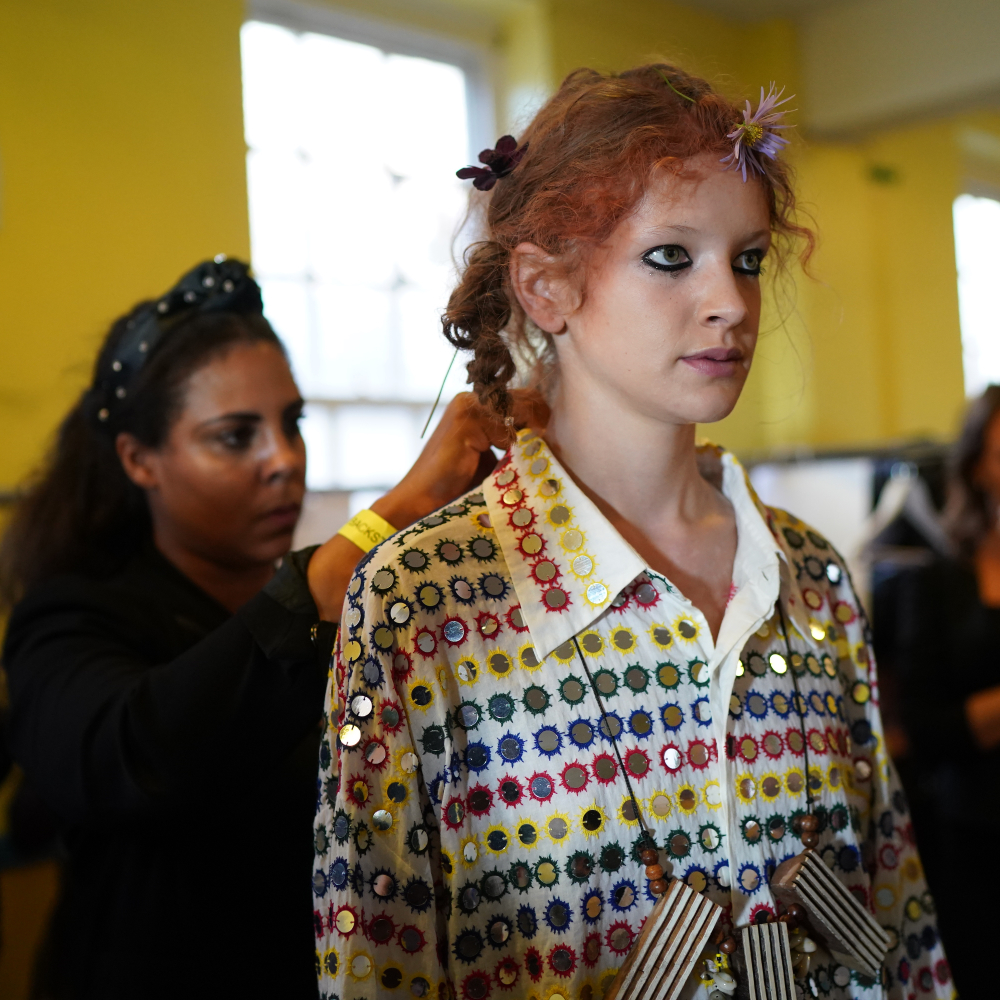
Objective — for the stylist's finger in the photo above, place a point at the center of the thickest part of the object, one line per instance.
(447, 466)
(458, 454)
(456, 458)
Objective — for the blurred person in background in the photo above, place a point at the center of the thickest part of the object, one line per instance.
(165, 678)
(937, 631)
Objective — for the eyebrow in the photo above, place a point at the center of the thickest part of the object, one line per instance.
(687, 230)
(235, 415)
(671, 229)
(250, 415)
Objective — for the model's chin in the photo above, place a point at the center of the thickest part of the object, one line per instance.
(709, 404)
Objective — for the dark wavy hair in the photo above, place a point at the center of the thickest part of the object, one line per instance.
(968, 512)
(80, 512)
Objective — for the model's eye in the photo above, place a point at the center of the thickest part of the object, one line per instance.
(667, 258)
(749, 262)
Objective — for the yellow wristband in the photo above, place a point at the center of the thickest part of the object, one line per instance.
(366, 529)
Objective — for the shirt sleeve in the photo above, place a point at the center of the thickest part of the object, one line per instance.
(380, 902)
(915, 964)
(103, 732)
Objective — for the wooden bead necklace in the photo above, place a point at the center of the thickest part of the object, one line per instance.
(680, 925)
(648, 853)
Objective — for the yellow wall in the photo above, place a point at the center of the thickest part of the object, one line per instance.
(122, 161)
(121, 164)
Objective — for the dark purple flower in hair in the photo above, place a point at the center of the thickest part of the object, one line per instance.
(499, 163)
(756, 135)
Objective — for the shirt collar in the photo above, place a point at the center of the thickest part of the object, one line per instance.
(793, 601)
(568, 563)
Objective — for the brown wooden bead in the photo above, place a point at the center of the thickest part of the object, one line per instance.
(810, 839)
(728, 946)
(809, 823)
(796, 912)
(658, 887)
(649, 855)
(654, 872)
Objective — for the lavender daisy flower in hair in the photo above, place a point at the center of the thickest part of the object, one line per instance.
(757, 135)
(499, 163)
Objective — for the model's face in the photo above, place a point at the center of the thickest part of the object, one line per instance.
(667, 322)
(988, 468)
(229, 480)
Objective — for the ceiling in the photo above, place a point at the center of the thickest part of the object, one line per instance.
(758, 10)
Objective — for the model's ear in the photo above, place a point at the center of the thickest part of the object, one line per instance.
(136, 461)
(543, 287)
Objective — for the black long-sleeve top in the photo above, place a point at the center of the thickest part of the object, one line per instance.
(941, 645)
(177, 744)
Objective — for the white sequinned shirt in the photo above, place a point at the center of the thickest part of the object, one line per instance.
(475, 835)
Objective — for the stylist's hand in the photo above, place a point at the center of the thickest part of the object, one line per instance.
(456, 458)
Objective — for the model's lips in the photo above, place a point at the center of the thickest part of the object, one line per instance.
(716, 361)
(284, 516)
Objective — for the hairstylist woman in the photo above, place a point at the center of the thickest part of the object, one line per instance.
(167, 683)
(939, 627)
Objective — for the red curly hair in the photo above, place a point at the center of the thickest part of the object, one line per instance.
(590, 153)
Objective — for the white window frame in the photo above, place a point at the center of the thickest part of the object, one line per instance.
(397, 39)
(477, 66)
(976, 189)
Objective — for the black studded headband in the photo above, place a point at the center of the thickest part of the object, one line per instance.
(219, 285)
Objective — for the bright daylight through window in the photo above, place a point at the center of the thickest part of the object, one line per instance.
(353, 208)
(977, 253)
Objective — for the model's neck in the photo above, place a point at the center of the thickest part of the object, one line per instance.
(643, 476)
(231, 586)
(644, 469)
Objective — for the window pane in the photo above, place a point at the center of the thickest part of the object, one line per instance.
(288, 308)
(377, 444)
(354, 207)
(977, 254)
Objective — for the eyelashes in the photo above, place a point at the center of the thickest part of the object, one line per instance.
(667, 258)
(673, 258)
(752, 261)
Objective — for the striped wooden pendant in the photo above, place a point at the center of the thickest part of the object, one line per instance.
(767, 958)
(672, 939)
(851, 933)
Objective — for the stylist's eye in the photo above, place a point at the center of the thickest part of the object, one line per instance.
(749, 262)
(667, 258)
(238, 437)
(290, 424)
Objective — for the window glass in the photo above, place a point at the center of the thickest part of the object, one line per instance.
(354, 209)
(977, 254)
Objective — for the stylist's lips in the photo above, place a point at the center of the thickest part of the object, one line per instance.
(283, 517)
(716, 361)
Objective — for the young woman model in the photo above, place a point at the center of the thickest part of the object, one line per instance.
(164, 679)
(613, 635)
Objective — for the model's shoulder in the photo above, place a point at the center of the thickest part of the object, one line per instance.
(453, 534)
(793, 533)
